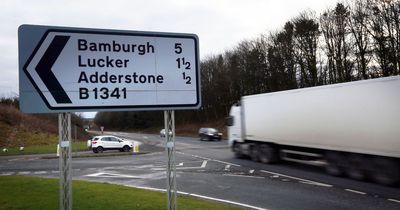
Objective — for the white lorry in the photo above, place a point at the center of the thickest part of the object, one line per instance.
(354, 128)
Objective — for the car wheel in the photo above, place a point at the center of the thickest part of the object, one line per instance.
(100, 149)
(95, 150)
(126, 148)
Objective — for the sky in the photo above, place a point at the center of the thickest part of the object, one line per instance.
(219, 24)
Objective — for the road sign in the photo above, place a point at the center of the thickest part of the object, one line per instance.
(74, 69)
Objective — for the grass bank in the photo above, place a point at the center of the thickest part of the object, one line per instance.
(19, 192)
(43, 149)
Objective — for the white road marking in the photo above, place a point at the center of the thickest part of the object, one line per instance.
(159, 169)
(15, 159)
(28, 159)
(394, 200)
(196, 156)
(7, 173)
(144, 166)
(246, 176)
(218, 161)
(180, 164)
(205, 158)
(203, 165)
(91, 168)
(310, 183)
(251, 171)
(201, 196)
(227, 167)
(55, 172)
(355, 191)
(306, 181)
(24, 172)
(40, 172)
(228, 201)
(112, 175)
(300, 179)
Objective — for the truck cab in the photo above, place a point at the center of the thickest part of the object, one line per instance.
(234, 124)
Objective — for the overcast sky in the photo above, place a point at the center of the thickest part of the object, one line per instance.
(220, 24)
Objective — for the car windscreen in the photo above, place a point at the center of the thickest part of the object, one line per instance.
(212, 130)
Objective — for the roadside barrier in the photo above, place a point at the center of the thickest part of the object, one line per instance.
(135, 147)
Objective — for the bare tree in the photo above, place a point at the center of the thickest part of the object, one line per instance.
(335, 29)
(383, 26)
(281, 59)
(362, 40)
(306, 34)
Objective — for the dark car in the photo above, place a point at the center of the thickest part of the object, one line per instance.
(209, 134)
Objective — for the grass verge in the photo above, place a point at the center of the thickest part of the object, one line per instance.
(43, 149)
(20, 192)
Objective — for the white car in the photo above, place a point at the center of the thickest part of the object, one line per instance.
(102, 143)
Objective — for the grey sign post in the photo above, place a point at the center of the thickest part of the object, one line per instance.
(65, 167)
(169, 122)
(64, 70)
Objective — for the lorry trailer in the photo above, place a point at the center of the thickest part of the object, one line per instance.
(353, 128)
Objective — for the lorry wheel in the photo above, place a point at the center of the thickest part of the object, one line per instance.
(385, 171)
(268, 154)
(355, 169)
(356, 173)
(255, 152)
(237, 149)
(334, 167)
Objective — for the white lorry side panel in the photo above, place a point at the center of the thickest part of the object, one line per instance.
(360, 117)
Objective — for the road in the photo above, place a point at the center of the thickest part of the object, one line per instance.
(208, 168)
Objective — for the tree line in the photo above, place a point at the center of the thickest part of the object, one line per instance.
(348, 42)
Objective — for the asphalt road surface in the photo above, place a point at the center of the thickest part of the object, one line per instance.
(208, 169)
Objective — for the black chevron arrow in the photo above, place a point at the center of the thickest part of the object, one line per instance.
(44, 69)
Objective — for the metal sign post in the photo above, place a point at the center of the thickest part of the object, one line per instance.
(169, 121)
(64, 138)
